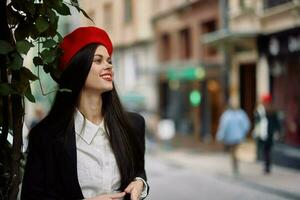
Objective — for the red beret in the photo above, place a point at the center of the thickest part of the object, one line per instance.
(79, 38)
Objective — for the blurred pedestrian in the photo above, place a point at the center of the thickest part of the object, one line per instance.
(87, 147)
(233, 127)
(266, 125)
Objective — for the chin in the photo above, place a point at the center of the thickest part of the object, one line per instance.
(107, 89)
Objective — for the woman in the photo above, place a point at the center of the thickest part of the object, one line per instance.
(87, 146)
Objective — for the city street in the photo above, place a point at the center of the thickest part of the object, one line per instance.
(171, 181)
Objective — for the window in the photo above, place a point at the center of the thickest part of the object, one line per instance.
(208, 27)
(108, 15)
(128, 11)
(185, 44)
(165, 47)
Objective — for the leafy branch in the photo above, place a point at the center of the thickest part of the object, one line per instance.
(25, 24)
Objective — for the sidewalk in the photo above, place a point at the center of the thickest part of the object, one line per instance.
(282, 181)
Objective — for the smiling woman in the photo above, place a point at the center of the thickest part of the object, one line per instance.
(87, 146)
(100, 76)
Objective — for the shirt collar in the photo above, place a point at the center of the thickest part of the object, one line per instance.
(86, 129)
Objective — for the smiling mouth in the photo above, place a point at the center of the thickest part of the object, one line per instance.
(107, 77)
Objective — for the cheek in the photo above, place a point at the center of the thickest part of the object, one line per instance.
(92, 76)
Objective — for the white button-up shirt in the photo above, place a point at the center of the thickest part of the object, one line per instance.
(97, 169)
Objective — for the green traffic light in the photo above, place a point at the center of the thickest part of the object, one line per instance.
(195, 98)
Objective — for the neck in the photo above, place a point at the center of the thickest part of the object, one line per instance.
(90, 105)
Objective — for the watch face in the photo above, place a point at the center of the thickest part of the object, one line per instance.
(274, 46)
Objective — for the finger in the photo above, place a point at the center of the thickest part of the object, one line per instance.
(134, 195)
(129, 188)
(117, 195)
(117, 198)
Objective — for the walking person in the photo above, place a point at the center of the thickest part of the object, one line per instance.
(87, 147)
(266, 125)
(233, 127)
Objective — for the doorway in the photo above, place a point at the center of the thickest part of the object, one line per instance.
(248, 90)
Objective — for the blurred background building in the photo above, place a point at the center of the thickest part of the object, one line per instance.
(262, 43)
(184, 59)
(263, 40)
(190, 89)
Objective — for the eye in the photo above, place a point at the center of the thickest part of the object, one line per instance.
(109, 61)
(98, 60)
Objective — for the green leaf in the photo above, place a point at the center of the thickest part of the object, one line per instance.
(52, 16)
(37, 61)
(6, 89)
(49, 43)
(22, 84)
(48, 68)
(23, 46)
(28, 74)
(85, 14)
(26, 29)
(29, 95)
(63, 9)
(76, 5)
(5, 47)
(59, 37)
(16, 62)
(48, 55)
(41, 24)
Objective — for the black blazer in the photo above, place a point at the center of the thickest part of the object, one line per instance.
(51, 167)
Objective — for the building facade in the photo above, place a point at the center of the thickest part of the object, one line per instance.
(263, 41)
(190, 84)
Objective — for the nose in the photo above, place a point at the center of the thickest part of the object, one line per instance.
(108, 66)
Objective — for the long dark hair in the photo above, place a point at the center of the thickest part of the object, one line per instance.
(121, 135)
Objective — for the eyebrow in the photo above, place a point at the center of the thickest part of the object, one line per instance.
(102, 56)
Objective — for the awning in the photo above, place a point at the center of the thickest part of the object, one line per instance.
(186, 73)
(224, 36)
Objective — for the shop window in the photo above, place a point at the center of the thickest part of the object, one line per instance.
(185, 44)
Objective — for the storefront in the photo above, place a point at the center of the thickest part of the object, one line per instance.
(283, 52)
(191, 97)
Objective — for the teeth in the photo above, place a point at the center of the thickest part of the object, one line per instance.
(106, 76)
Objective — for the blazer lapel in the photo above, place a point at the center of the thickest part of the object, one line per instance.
(68, 166)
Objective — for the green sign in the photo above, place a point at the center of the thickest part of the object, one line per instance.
(187, 73)
(195, 98)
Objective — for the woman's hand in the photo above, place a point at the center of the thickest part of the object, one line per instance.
(115, 196)
(135, 189)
